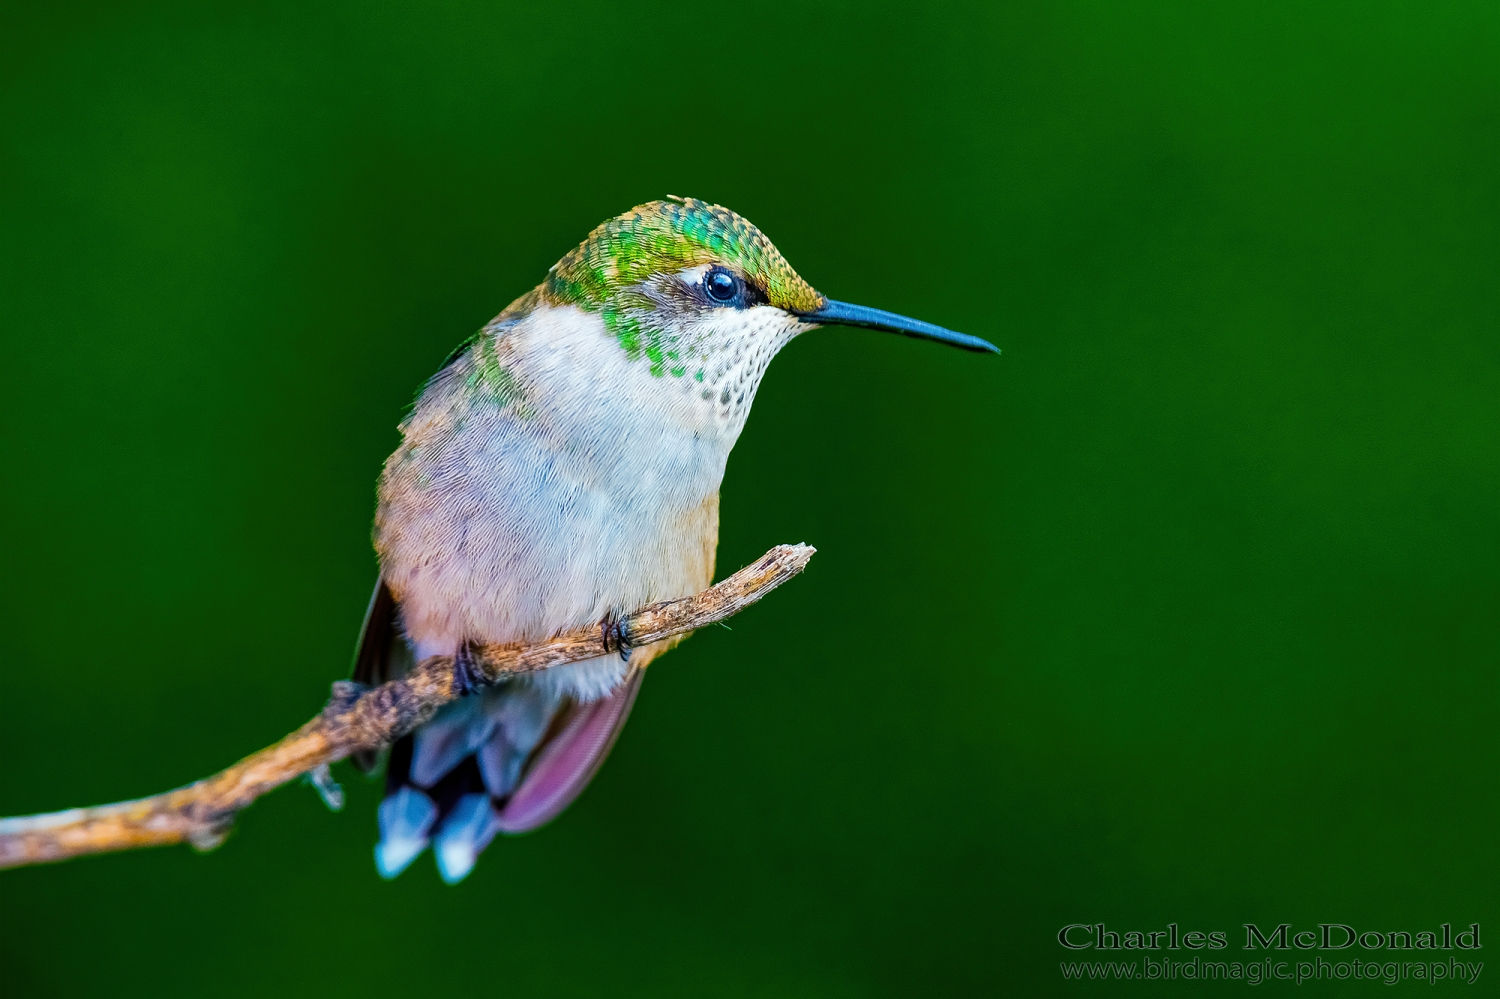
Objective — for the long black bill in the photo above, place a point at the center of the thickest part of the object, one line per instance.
(843, 314)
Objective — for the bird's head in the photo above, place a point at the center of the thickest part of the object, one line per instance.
(693, 289)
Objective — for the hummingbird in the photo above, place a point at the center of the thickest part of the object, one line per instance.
(563, 468)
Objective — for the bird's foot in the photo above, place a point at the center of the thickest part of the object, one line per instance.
(321, 778)
(468, 677)
(614, 633)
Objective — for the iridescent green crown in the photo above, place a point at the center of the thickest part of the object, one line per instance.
(665, 236)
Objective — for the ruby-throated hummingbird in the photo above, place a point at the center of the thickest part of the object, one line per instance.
(563, 468)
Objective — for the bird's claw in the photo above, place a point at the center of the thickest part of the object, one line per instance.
(468, 678)
(321, 778)
(614, 633)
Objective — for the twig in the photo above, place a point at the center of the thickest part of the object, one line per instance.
(356, 719)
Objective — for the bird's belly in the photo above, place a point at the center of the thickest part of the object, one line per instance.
(589, 487)
(520, 549)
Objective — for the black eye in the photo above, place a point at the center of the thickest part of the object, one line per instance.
(721, 285)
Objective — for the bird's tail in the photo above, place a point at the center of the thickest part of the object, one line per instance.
(507, 758)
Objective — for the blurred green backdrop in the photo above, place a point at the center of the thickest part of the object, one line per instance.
(1182, 610)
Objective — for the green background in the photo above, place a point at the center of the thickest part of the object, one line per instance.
(1181, 610)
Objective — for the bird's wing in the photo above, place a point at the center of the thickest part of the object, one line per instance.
(563, 766)
(375, 660)
(376, 636)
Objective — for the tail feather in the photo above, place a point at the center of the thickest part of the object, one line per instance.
(465, 833)
(406, 818)
(442, 743)
(565, 765)
(508, 759)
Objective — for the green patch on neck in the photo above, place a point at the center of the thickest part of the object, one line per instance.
(639, 337)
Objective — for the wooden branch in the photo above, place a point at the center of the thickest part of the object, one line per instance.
(357, 719)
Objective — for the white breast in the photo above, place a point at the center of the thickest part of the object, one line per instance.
(588, 487)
